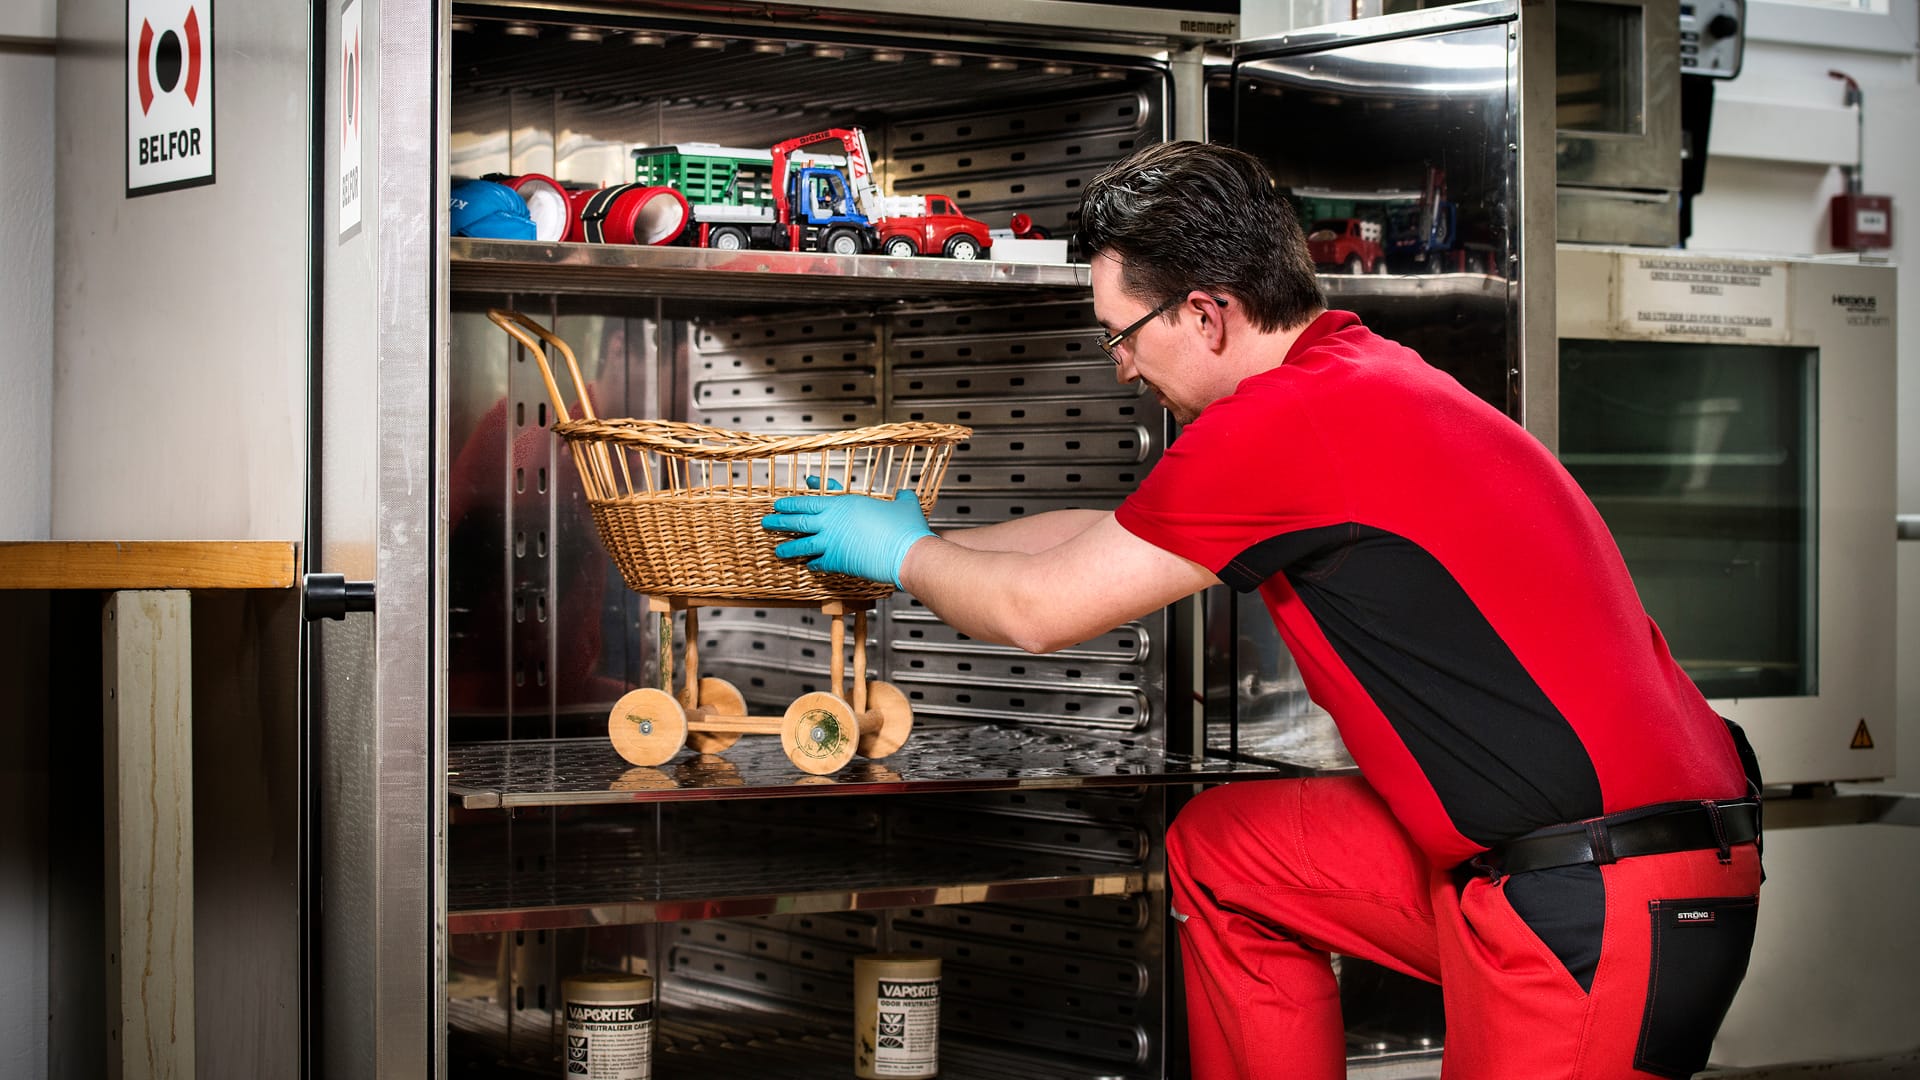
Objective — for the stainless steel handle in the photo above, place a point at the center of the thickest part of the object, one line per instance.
(1908, 526)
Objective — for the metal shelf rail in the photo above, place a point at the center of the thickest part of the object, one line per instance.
(587, 771)
(619, 878)
(795, 276)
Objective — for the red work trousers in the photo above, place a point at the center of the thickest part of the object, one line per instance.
(1269, 877)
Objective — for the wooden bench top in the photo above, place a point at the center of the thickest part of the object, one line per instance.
(149, 564)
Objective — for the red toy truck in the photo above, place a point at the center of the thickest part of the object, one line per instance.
(929, 225)
(1349, 244)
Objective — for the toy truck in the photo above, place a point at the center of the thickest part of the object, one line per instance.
(788, 199)
(1349, 244)
(1404, 231)
(743, 198)
(930, 225)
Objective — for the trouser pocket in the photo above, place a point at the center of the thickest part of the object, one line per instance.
(1700, 951)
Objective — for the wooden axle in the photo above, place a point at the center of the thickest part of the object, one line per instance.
(820, 731)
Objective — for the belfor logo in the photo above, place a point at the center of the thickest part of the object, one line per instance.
(350, 88)
(161, 60)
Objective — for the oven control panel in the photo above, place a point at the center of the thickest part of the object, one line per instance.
(1712, 33)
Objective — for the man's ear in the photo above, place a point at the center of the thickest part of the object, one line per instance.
(1212, 321)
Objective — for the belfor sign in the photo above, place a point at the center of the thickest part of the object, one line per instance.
(169, 94)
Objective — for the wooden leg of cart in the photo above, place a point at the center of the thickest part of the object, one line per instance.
(886, 716)
(837, 636)
(648, 726)
(706, 698)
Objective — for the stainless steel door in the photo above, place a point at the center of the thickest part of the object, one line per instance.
(1425, 137)
(375, 680)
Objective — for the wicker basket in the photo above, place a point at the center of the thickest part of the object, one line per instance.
(679, 505)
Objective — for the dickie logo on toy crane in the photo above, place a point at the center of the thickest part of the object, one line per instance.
(169, 94)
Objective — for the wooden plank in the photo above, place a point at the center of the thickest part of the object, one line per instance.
(148, 564)
(147, 680)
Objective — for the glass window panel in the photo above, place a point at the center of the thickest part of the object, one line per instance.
(1701, 458)
(1597, 67)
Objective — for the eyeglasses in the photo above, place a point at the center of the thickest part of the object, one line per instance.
(1112, 342)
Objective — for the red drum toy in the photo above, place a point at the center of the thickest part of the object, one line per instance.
(634, 214)
(547, 204)
(577, 200)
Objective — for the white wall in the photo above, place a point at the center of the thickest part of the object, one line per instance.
(180, 318)
(1839, 946)
(26, 284)
(26, 371)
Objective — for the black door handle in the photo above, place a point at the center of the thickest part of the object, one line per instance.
(331, 596)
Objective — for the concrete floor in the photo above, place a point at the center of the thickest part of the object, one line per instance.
(1897, 1065)
(1902, 1065)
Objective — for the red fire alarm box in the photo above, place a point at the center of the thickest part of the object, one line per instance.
(1862, 221)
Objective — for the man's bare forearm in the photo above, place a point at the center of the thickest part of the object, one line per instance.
(1052, 599)
(1029, 535)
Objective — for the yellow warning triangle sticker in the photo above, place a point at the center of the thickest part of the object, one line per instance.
(1862, 739)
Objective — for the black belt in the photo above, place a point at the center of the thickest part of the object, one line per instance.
(1681, 827)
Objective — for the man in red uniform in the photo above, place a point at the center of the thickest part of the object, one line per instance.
(1552, 824)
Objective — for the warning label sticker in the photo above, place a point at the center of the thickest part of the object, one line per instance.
(907, 1039)
(1862, 738)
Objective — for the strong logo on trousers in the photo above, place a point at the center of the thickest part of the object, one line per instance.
(161, 61)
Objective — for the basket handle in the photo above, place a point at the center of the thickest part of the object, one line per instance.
(519, 326)
(596, 466)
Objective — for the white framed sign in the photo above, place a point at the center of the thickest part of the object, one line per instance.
(350, 108)
(169, 95)
(1701, 298)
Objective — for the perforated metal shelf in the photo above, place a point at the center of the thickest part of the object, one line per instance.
(789, 276)
(615, 877)
(586, 771)
(716, 1040)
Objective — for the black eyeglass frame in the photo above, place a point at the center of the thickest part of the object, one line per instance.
(1111, 342)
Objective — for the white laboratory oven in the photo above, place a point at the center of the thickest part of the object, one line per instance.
(1733, 419)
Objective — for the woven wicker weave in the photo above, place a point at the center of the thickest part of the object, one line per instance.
(679, 505)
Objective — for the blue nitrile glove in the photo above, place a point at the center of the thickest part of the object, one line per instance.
(850, 534)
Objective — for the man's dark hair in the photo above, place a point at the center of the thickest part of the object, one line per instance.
(1189, 215)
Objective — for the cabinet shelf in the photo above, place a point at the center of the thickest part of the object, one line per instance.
(587, 771)
(724, 1040)
(617, 878)
(771, 276)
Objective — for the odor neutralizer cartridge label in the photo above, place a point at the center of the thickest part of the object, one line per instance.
(907, 1035)
(609, 1041)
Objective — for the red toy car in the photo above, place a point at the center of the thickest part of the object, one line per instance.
(1349, 244)
(930, 225)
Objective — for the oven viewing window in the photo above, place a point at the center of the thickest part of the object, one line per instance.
(1598, 67)
(1702, 460)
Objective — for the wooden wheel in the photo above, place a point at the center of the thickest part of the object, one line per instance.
(718, 697)
(896, 720)
(647, 726)
(819, 733)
